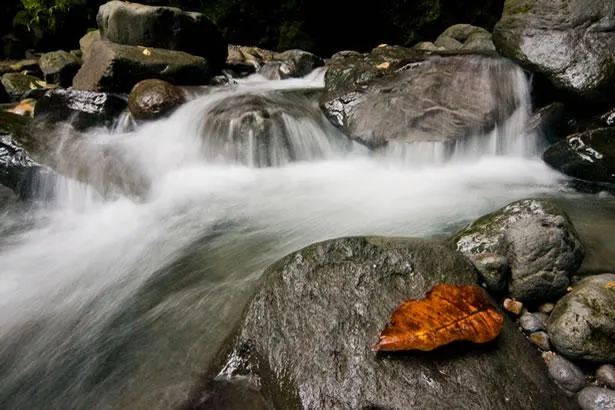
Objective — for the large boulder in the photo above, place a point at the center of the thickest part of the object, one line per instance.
(571, 42)
(84, 109)
(59, 67)
(306, 336)
(588, 155)
(151, 99)
(582, 325)
(528, 248)
(162, 27)
(114, 67)
(86, 42)
(411, 105)
(465, 37)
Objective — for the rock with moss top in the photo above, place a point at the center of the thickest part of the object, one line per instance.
(59, 67)
(528, 248)
(582, 325)
(17, 85)
(151, 99)
(571, 42)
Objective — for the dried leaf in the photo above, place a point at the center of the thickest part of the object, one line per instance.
(383, 66)
(448, 313)
(146, 52)
(610, 285)
(25, 107)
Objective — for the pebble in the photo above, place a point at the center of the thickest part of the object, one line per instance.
(542, 318)
(541, 339)
(566, 374)
(513, 306)
(606, 375)
(596, 398)
(530, 323)
(546, 308)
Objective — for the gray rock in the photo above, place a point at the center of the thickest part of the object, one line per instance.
(153, 98)
(18, 84)
(606, 375)
(530, 323)
(86, 42)
(596, 398)
(162, 27)
(566, 374)
(479, 42)
(308, 332)
(448, 43)
(291, 63)
(30, 66)
(582, 325)
(571, 42)
(410, 105)
(541, 339)
(549, 122)
(546, 308)
(534, 242)
(465, 37)
(59, 67)
(117, 68)
(463, 32)
(542, 318)
(589, 155)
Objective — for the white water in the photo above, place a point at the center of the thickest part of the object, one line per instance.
(120, 303)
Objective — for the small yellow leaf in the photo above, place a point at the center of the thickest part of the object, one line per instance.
(383, 45)
(146, 52)
(383, 66)
(610, 285)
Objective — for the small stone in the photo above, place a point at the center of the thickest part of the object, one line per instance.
(546, 308)
(542, 318)
(566, 374)
(530, 323)
(541, 339)
(596, 398)
(606, 375)
(513, 306)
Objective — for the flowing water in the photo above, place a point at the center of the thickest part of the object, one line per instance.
(119, 301)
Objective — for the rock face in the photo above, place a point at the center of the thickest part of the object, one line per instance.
(307, 335)
(151, 99)
(114, 67)
(528, 248)
(582, 325)
(588, 155)
(59, 67)
(571, 42)
(410, 104)
(162, 27)
(84, 108)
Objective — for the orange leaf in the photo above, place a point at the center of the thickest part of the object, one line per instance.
(448, 313)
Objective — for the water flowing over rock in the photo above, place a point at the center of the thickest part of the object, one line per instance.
(307, 333)
(529, 248)
(588, 155)
(117, 68)
(571, 42)
(162, 27)
(409, 105)
(582, 325)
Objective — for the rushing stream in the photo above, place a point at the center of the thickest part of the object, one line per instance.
(119, 301)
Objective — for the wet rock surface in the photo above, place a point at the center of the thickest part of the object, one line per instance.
(605, 375)
(529, 246)
(596, 398)
(570, 42)
(17, 85)
(151, 99)
(319, 355)
(566, 374)
(465, 37)
(582, 325)
(117, 68)
(59, 67)
(588, 155)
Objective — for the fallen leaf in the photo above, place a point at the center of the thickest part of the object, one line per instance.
(383, 66)
(25, 107)
(146, 52)
(610, 285)
(448, 313)
(383, 45)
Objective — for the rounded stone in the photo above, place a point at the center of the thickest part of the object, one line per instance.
(596, 398)
(541, 339)
(606, 375)
(566, 374)
(151, 99)
(530, 323)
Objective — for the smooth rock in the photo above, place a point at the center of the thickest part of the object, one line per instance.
(465, 37)
(308, 332)
(59, 67)
(513, 306)
(168, 28)
(17, 85)
(541, 339)
(582, 325)
(535, 243)
(566, 374)
(86, 42)
(530, 323)
(606, 375)
(546, 308)
(596, 398)
(289, 64)
(117, 68)
(571, 42)
(151, 99)
(589, 155)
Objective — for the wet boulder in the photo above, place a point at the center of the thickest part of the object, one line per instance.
(549, 122)
(17, 85)
(117, 68)
(409, 104)
(596, 398)
(582, 325)
(241, 57)
(162, 27)
(84, 109)
(570, 42)
(306, 336)
(588, 155)
(151, 99)
(465, 37)
(59, 67)
(528, 248)
(29, 65)
(291, 63)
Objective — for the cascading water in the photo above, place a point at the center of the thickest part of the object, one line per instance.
(119, 301)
